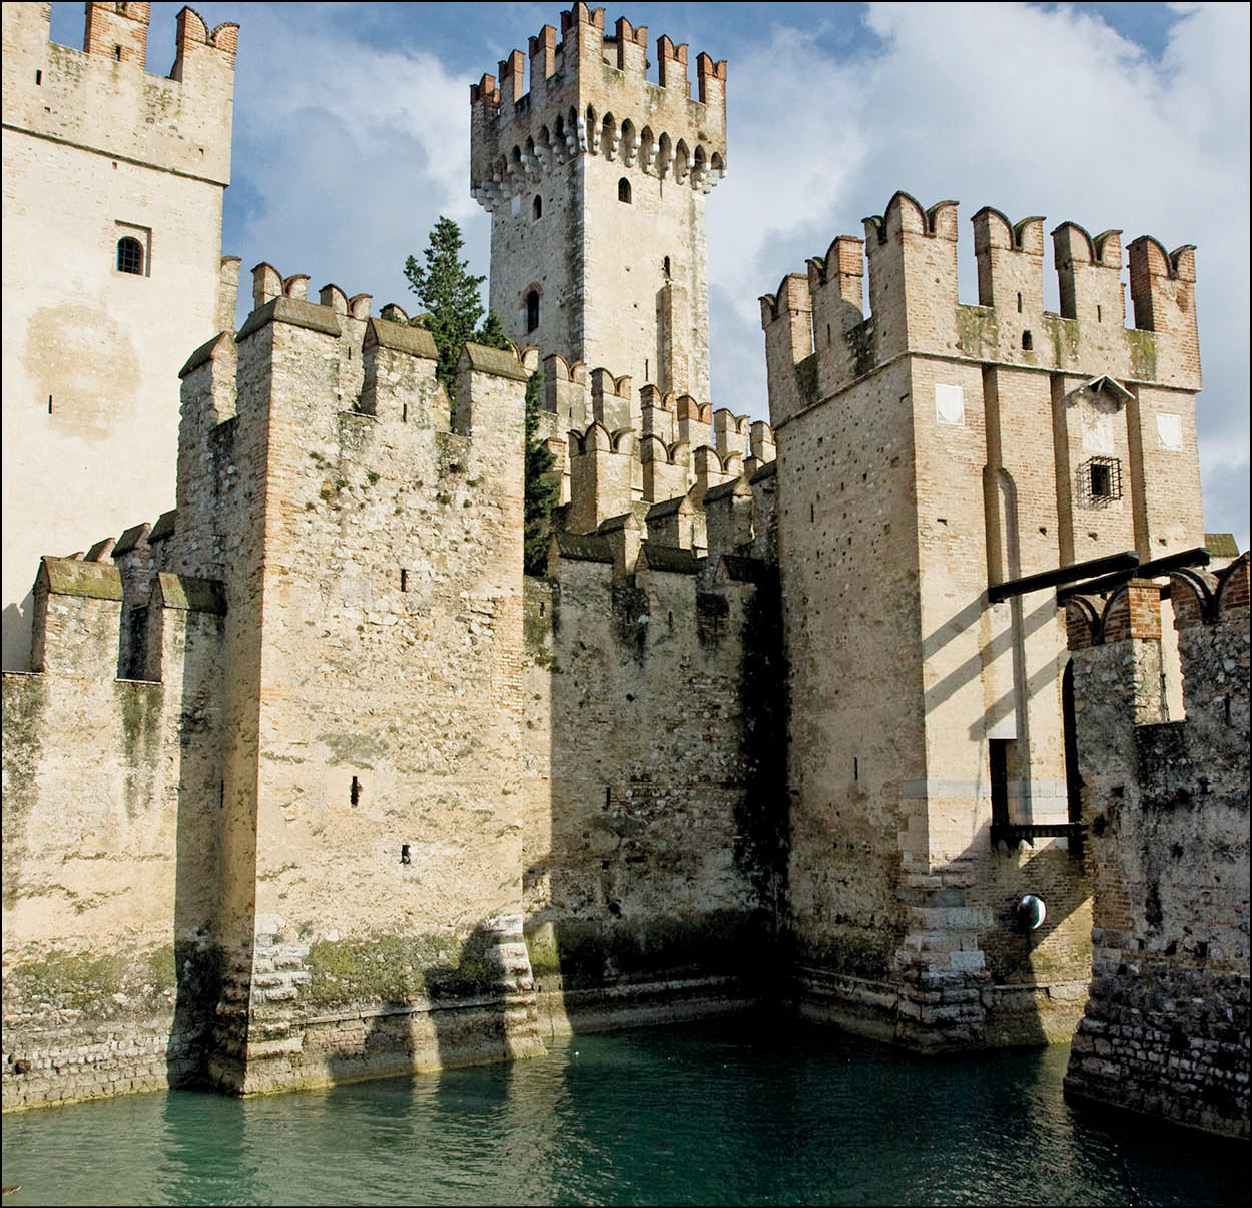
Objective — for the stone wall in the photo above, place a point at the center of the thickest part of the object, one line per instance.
(1166, 1026)
(656, 829)
(110, 870)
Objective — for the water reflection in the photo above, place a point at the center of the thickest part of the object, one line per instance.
(754, 1111)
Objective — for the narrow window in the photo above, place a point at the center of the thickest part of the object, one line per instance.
(404, 414)
(117, 54)
(1019, 304)
(49, 404)
(537, 208)
(129, 256)
(1028, 341)
(623, 190)
(404, 580)
(404, 854)
(667, 268)
(355, 796)
(856, 768)
(532, 310)
(135, 652)
(1099, 314)
(39, 77)
(999, 752)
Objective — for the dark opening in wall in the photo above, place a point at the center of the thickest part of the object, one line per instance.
(39, 77)
(666, 267)
(129, 256)
(1019, 304)
(354, 797)
(999, 753)
(117, 54)
(135, 645)
(1099, 314)
(1100, 479)
(623, 190)
(537, 208)
(532, 310)
(404, 854)
(1028, 341)
(404, 580)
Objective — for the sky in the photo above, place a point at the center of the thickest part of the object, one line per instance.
(351, 138)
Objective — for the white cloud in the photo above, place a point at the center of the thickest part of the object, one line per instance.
(1030, 110)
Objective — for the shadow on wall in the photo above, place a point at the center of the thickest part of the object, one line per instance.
(15, 626)
(659, 894)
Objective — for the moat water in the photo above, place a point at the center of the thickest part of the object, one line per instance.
(727, 1113)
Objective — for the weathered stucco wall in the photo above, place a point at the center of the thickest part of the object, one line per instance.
(95, 150)
(1166, 1027)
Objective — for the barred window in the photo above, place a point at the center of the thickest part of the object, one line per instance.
(1101, 480)
(129, 256)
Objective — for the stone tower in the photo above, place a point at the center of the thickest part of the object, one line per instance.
(595, 180)
(927, 452)
(113, 183)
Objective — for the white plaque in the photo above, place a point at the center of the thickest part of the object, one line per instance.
(949, 404)
(1169, 429)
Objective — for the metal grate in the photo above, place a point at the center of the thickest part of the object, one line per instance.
(1100, 481)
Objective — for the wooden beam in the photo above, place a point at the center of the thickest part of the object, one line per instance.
(1127, 561)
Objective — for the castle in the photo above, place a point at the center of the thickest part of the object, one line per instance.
(307, 782)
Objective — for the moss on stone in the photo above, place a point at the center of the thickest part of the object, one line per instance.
(978, 331)
(1142, 345)
(1065, 334)
(399, 969)
(25, 701)
(118, 984)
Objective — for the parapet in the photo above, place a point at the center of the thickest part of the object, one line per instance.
(102, 98)
(820, 339)
(589, 94)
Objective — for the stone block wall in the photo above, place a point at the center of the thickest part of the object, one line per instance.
(1166, 1027)
(656, 826)
(110, 843)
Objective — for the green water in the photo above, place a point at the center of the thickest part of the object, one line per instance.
(739, 1113)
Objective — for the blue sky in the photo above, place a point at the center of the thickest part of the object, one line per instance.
(352, 120)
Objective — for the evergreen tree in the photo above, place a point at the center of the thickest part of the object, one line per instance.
(491, 333)
(541, 492)
(449, 292)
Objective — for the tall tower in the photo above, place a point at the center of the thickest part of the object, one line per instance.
(930, 452)
(113, 184)
(595, 180)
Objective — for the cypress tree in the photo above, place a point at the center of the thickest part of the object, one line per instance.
(449, 292)
(541, 492)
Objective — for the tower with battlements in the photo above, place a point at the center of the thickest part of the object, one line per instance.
(113, 183)
(930, 456)
(595, 177)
